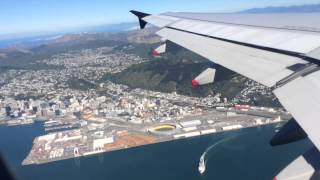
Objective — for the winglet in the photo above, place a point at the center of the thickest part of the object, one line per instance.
(140, 15)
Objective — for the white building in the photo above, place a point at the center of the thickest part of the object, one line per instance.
(98, 144)
(236, 126)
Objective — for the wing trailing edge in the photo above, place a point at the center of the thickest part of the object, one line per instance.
(290, 132)
(304, 167)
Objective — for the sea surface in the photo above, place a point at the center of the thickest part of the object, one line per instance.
(242, 154)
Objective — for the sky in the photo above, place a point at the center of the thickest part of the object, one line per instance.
(30, 16)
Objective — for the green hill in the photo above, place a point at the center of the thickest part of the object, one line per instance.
(175, 71)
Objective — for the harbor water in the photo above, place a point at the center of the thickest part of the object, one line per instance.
(242, 154)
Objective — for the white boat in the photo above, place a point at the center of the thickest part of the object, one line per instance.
(202, 166)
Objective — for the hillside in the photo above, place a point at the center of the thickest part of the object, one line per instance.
(24, 56)
(174, 72)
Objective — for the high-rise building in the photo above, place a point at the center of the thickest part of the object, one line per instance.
(26, 105)
(35, 109)
(8, 110)
(57, 112)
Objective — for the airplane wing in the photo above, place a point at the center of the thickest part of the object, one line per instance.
(281, 51)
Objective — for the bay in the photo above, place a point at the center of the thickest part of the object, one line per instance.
(242, 154)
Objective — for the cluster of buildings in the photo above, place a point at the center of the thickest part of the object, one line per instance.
(252, 88)
(118, 102)
(89, 65)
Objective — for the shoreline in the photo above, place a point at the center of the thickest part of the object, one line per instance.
(27, 161)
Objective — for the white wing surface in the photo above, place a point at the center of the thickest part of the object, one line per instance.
(281, 51)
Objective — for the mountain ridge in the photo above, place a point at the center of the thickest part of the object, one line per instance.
(127, 26)
(308, 8)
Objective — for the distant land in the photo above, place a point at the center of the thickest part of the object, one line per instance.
(286, 9)
(121, 27)
(41, 38)
(29, 40)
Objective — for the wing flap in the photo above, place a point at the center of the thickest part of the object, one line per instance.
(304, 167)
(301, 97)
(262, 66)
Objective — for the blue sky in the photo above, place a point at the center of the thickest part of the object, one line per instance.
(26, 16)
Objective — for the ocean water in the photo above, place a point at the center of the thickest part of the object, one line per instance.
(242, 154)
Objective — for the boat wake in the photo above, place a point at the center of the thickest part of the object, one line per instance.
(203, 159)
